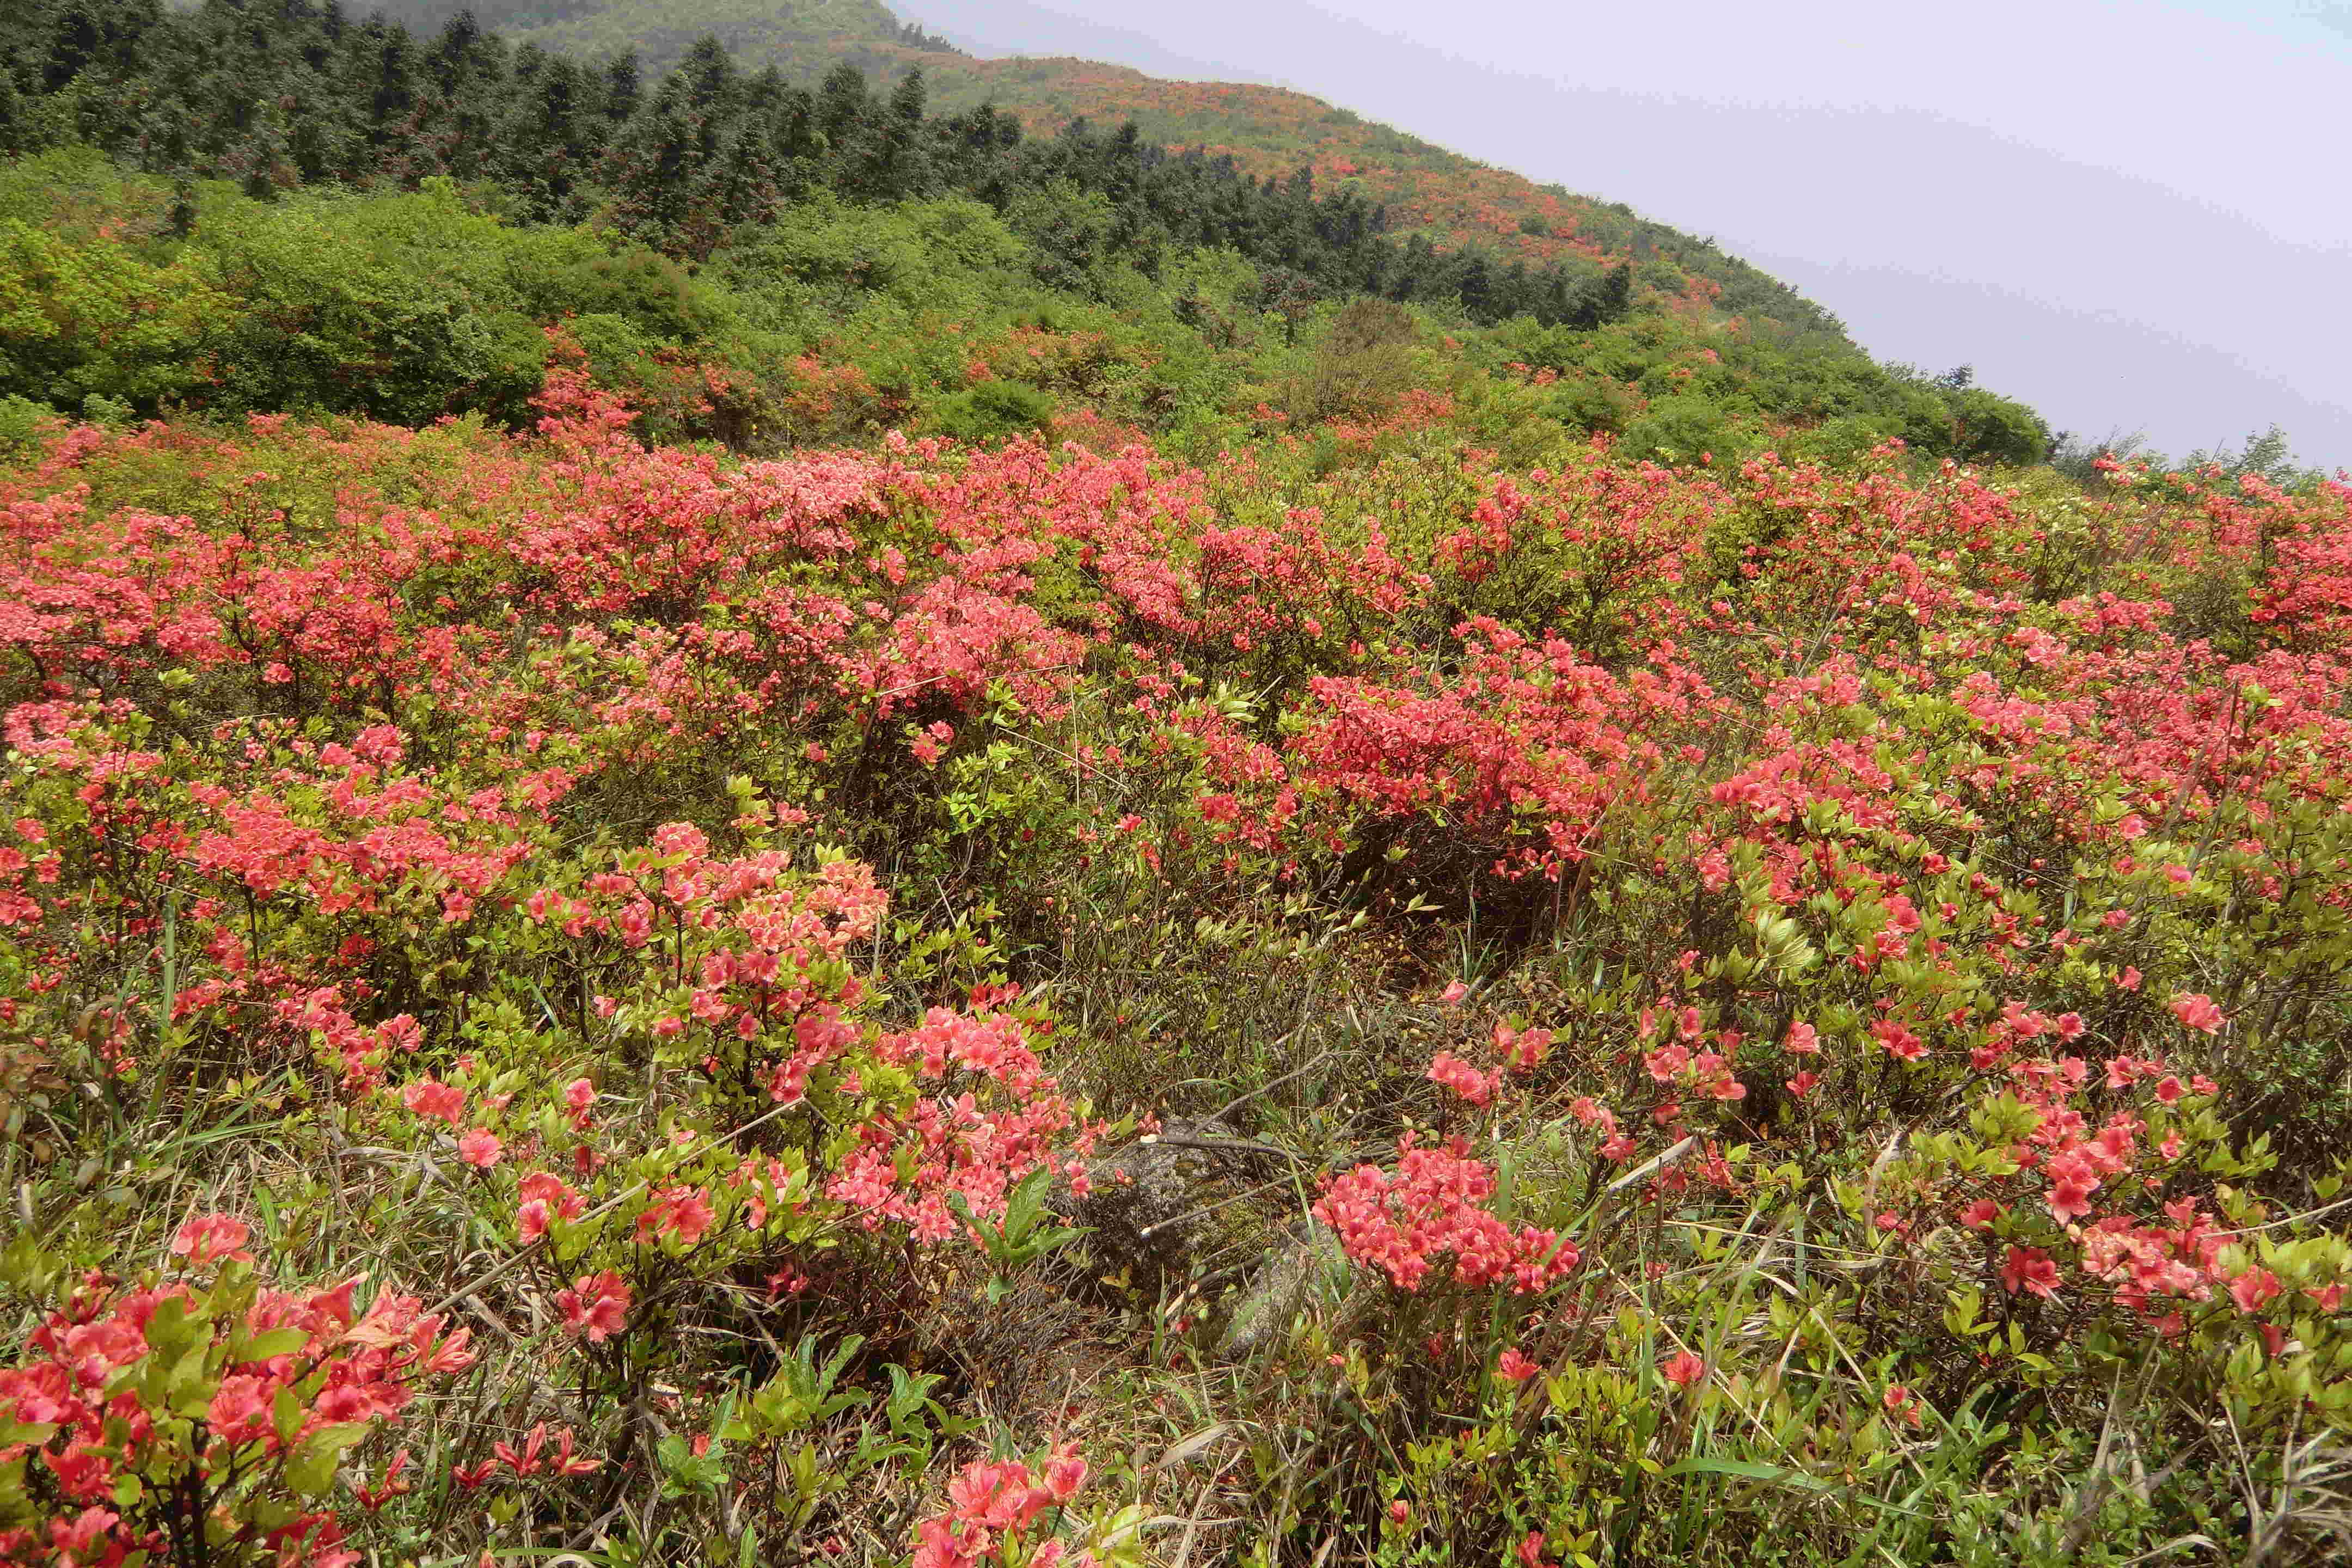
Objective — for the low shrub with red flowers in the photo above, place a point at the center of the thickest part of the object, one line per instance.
(559, 996)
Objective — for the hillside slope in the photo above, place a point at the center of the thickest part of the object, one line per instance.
(1265, 131)
(742, 826)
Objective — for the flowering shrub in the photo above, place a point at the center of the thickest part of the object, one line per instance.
(1433, 1205)
(1004, 1512)
(202, 1417)
(1745, 981)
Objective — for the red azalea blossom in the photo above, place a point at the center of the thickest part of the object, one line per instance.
(2196, 1011)
(595, 1306)
(213, 1238)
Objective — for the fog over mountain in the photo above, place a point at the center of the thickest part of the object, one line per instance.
(2123, 214)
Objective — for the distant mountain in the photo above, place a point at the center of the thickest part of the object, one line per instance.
(803, 38)
(1265, 130)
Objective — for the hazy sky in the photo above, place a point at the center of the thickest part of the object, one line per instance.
(2131, 216)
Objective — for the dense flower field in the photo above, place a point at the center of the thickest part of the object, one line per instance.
(559, 996)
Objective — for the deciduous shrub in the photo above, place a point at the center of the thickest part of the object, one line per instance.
(560, 995)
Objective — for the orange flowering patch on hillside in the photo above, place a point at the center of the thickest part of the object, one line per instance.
(1267, 131)
(1273, 131)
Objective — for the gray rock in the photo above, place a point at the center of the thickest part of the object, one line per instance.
(1142, 1203)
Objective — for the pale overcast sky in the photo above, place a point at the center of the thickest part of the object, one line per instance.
(2131, 216)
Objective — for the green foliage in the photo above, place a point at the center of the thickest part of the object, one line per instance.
(1843, 442)
(21, 419)
(98, 317)
(1070, 235)
(1685, 428)
(824, 258)
(991, 411)
(1996, 429)
(398, 307)
(1359, 366)
(405, 307)
(702, 233)
(1019, 1237)
(686, 163)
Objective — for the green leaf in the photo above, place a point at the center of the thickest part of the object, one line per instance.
(990, 1241)
(1045, 1241)
(272, 1343)
(1749, 1469)
(1022, 1204)
(26, 1268)
(310, 1467)
(168, 1330)
(191, 1384)
(286, 1415)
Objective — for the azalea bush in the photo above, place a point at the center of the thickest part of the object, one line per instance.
(200, 1418)
(560, 995)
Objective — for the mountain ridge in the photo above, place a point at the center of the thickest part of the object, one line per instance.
(1268, 130)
